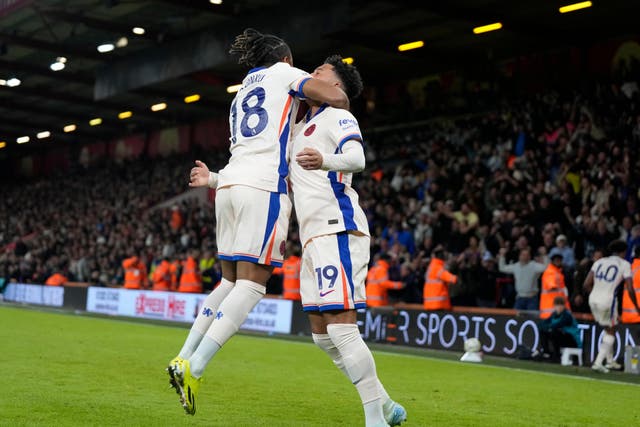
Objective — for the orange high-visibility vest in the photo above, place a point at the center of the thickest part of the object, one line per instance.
(190, 279)
(629, 312)
(162, 277)
(135, 273)
(378, 284)
(552, 286)
(56, 279)
(290, 271)
(435, 294)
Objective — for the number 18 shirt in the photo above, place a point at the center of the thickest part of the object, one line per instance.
(260, 123)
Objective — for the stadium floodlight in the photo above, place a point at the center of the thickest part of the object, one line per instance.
(57, 66)
(410, 46)
(13, 82)
(22, 139)
(122, 42)
(486, 28)
(348, 60)
(3, 82)
(61, 59)
(3, 144)
(576, 6)
(43, 134)
(234, 88)
(125, 115)
(192, 98)
(138, 30)
(159, 107)
(215, 1)
(69, 128)
(107, 47)
(95, 122)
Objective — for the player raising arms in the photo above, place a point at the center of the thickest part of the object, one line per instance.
(605, 281)
(252, 207)
(335, 236)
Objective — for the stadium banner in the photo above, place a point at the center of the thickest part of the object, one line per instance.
(270, 315)
(52, 296)
(500, 335)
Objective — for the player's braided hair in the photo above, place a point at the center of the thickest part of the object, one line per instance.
(257, 49)
(348, 75)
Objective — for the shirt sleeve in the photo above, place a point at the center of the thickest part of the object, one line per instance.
(344, 128)
(626, 270)
(295, 79)
(350, 160)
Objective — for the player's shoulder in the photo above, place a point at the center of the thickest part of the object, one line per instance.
(342, 118)
(282, 68)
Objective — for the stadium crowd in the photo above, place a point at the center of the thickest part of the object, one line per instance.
(551, 172)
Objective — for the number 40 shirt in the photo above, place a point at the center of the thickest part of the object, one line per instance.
(608, 274)
(260, 123)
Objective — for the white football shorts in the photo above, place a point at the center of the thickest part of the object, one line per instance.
(605, 312)
(251, 224)
(333, 272)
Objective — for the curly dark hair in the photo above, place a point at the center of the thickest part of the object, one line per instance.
(257, 49)
(616, 247)
(348, 75)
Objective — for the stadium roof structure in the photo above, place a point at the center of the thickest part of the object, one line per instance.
(162, 51)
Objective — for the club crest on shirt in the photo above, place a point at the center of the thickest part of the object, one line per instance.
(310, 130)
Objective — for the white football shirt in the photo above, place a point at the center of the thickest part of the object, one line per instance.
(260, 122)
(325, 202)
(608, 274)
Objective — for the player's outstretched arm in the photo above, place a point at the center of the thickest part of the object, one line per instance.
(201, 176)
(325, 93)
(588, 282)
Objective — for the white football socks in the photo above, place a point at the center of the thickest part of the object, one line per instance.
(231, 314)
(606, 349)
(360, 368)
(324, 342)
(205, 317)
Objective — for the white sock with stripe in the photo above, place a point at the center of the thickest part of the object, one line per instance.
(324, 342)
(361, 369)
(606, 347)
(205, 317)
(231, 314)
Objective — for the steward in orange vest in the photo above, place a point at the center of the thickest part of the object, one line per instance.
(163, 279)
(56, 279)
(135, 273)
(630, 312)
(552, 286)
(190, 279)
(290, 272)
(378, 283)
(435, 294)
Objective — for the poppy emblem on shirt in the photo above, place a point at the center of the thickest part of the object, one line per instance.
(283, 246)
(310, 130)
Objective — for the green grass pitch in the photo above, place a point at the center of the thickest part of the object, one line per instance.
(60, 370)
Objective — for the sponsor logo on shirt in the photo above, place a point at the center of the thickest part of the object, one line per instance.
(347, 123)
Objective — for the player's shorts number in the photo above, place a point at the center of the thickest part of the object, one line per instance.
(329, 273)
(608, 275)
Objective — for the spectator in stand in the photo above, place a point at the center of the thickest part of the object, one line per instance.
(487, 281)
(559, 330)
(378, 283)
(437, 281)
(526, 273)
(553, 286)
(568, 257)
(208, 271)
